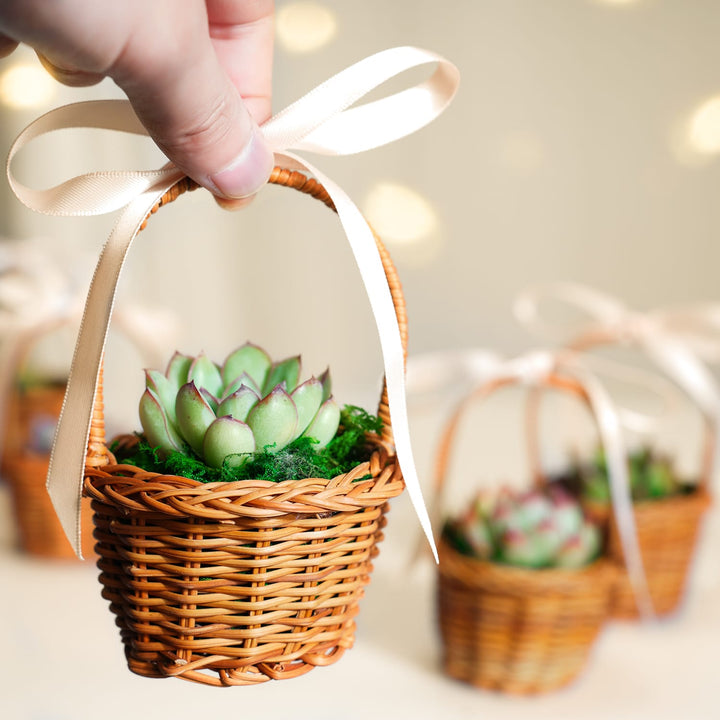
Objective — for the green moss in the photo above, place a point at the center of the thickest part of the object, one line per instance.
(300, 459)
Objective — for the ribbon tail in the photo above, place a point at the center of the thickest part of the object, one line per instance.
(612, 441)
(67, 461)
(372, 272)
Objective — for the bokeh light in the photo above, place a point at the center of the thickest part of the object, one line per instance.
(703, 129)
(303, 27)
(399, 214)
(26, 85)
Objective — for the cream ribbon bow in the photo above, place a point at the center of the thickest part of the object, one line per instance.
(673, 339)
(323, 122)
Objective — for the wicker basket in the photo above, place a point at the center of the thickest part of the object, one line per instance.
(241, 582)
(516, 630)
(667, 528)
(667, 532)
(520, 631)
(31, 412)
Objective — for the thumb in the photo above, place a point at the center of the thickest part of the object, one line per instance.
(196, 115)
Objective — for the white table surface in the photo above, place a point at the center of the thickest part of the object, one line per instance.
(62, 658)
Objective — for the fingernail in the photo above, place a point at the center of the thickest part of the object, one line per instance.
(250, 170)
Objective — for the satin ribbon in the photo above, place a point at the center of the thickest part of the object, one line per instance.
(532, 370)
(672, 339)
(445, 372)
(322, 121)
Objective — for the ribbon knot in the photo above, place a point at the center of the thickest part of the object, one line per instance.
(533, 368)
(674, 340)
(322, 121)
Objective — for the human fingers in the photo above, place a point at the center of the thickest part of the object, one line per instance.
(242, 34)
(68, 76)
(165, 62)
(190, 106)
(7, 45)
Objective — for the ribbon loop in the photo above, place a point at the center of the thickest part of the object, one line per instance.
(321, 121)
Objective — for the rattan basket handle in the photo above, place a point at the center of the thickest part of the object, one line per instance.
(552, 380)
(606, 336)
(97, 451)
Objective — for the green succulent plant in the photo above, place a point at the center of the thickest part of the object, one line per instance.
(534, 529)
(224, 414)
(651, 476)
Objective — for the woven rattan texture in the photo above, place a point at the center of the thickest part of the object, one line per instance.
(239, 583)
(515, 630)
(667, 531)
(251, 580)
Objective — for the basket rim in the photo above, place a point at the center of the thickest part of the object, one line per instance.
(476, 573)
(137, 490)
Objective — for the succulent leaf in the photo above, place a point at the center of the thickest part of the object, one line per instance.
(194, 415)
(287, 371)
(239, 404)
(211, 400)
(530, 529)
(249, 359)
(326, 384)
(177, 370)
(325, 423)
(158, 431)
(307, 398)
(228, 439)
(273, 420)
(164, 391)
(238, 382)
(204, 372)
(580, 548)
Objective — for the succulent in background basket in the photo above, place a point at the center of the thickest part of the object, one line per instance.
(202, 417)
(536, 529)
(651, 475)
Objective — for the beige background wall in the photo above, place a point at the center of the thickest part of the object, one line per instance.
(565, 156)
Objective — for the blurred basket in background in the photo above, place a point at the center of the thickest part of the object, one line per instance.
(515, 629)
(30, 418)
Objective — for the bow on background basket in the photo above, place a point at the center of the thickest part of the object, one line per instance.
(37, 303)
(235, 583)
(668, 509)
(523, 589)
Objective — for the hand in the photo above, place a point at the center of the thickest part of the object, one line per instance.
(198, 74)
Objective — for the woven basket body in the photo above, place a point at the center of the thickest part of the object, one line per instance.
(239, 583)
(33, 412)
(667, 532)
(516, 630)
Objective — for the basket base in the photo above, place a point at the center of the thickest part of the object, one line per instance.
(241, 675)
